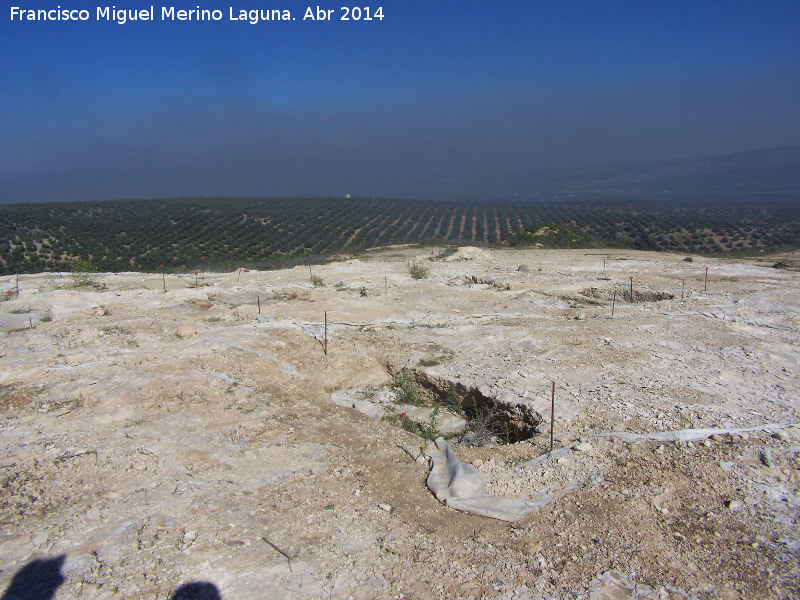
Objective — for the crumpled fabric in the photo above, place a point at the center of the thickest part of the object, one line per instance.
(460, 486)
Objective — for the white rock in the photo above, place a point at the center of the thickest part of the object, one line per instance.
(40, 538)
(186, 330)
(368, 408)
(734, 505)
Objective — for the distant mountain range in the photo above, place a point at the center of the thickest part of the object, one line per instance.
(773, 172)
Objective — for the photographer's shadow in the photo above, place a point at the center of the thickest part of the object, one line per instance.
(197, 590)
(40, 578)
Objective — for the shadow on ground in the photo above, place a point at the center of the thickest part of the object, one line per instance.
(40, 578)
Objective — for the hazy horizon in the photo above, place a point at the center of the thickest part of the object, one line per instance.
(444, 101)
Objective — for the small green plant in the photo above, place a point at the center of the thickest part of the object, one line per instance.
(431, 431)
(403, 422)
(506, 433)
(688, 259)
(453, 400)
(317, 281)
(780, 265)
(82, 272)
(418, 271)
(362, 291)
(408, 393)
(46, 316)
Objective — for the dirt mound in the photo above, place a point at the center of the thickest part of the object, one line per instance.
(469, 253)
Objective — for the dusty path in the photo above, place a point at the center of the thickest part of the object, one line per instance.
(149, 440)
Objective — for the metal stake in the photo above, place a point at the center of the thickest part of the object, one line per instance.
(705, 287)
(325, 345)
(613, 302)
(552, 413)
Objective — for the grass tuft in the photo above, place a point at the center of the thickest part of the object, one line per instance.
(418, 271)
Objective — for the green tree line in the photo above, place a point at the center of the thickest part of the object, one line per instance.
(214, 233)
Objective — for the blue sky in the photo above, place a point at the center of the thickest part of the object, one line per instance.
(413, 105)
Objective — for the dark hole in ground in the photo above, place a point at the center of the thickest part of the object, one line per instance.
(488, 419)
(624, 295)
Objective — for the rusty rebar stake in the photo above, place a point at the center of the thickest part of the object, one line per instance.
(552, 413)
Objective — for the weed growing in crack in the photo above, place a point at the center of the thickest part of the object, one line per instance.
(431, 431)
(407, 390)
(401, 421)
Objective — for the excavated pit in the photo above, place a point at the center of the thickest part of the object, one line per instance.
(509, 420)
(624, 295)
